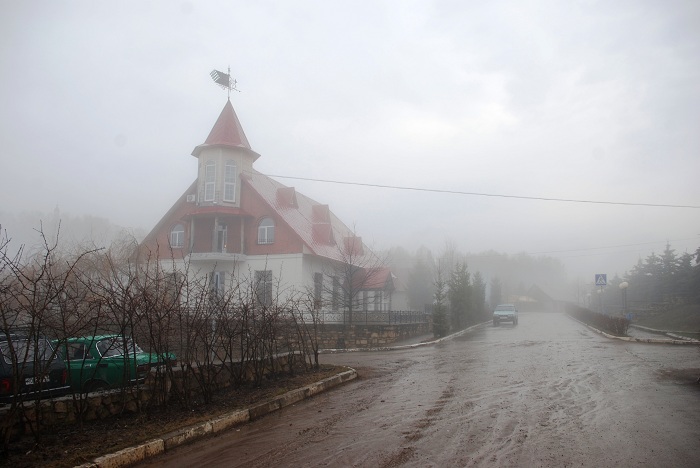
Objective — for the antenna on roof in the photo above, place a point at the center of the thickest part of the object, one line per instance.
(224, 80)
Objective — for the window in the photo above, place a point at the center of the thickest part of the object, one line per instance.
(336, 293)
(365, 300)
(25, 350)
(116, 346)
(266, 231)
(209, 180)
(78, 351)
(377, 300)
(220, 239)
(263, 287)
(230, 181)
(318, 290)
(217, 283)
(174, 283)
(177, 236)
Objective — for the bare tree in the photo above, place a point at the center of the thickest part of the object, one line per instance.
(355, 271)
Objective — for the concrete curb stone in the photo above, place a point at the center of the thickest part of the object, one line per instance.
(229, 420)
(131, 455)
(635, 340)
(178, 438)
(672, 334)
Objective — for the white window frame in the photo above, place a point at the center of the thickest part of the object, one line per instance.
(266, 231)
(318, 290)
(263, 287)
(335, 301)
(230, 175)
(177, 236)
(378, 300)
(209, 180)
(218, 279)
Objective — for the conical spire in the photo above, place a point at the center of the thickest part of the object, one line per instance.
(227, 131)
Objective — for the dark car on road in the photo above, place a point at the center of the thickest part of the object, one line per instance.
(107, 361)
(30, 368)
(505, 313)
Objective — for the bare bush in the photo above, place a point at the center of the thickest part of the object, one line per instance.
(220, 338)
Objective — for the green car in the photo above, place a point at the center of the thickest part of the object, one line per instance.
(107, 361)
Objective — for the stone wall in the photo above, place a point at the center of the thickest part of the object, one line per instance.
(160, 388)
(157, 389)
(338, 336)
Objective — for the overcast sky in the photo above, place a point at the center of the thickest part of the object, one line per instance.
(102, 103)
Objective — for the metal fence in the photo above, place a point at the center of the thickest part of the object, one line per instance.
(369, 317)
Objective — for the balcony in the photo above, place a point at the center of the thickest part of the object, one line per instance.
(215, 257)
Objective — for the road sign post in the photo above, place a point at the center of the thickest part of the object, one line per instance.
(601, 279)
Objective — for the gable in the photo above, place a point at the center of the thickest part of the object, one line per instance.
(286, 197)
(312, 222)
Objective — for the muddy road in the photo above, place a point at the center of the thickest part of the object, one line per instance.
(547, 392)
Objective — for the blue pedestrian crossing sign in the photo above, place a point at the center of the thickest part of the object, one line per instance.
(601, 279)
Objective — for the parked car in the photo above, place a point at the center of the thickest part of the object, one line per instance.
(30, 368)
(107, 361)
(505, 313)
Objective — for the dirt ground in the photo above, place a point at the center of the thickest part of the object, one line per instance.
(548, 392)
(70, 445)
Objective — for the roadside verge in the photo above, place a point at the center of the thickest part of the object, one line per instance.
(180, 437)
(162, 444)
(638, 340)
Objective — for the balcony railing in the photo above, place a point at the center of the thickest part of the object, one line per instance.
(366, 317)
(216, 257)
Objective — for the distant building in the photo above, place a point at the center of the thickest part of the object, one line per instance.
(236, 224)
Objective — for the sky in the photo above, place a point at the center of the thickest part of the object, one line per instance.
(526, 102)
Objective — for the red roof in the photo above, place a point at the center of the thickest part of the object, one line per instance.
(227, 131)
(374, 278)
(318, 234)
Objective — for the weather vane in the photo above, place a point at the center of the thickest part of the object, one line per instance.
(224, 80)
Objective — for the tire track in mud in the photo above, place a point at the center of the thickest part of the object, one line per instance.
(443, 388)
(535, 409)
(370, 386)
(514, 401)
(540, 394)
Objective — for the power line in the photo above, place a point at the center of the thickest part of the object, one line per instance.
(479, 194)
(612, 247)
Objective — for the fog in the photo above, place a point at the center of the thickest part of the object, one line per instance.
(540, 127)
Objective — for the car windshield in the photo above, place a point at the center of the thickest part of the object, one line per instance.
(25, 350)
(115, 346)
(505, 308)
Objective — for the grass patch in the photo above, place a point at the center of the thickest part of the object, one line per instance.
(684, 318)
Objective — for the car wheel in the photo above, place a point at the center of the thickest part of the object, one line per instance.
(96, 386)
(495, 323)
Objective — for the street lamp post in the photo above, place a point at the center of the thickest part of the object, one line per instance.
(623, 288)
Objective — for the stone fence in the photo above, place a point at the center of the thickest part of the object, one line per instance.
(339, 336)
(158, 388)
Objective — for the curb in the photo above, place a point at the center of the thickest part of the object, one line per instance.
(635, 340)
(151, 448)
(138, 453)
(670, 333)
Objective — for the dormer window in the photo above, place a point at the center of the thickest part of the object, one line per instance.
(177, 236)
(266, 231)
(209, 180)
(230, 181)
